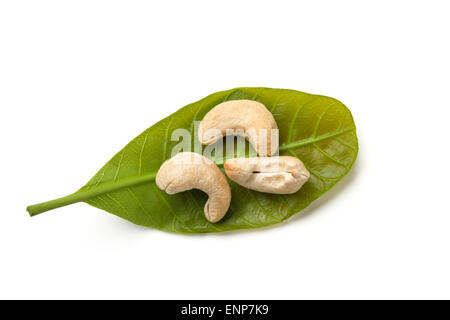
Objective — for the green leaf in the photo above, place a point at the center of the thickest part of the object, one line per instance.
(317, 129)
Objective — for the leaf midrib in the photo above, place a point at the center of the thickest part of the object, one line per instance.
(311, 140)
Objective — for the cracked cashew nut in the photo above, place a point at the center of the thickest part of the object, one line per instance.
(282, 175)
(249, 116)
(188, 170)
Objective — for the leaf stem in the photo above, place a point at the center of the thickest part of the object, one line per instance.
(87, 193)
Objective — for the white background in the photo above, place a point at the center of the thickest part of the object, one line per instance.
(80, 79)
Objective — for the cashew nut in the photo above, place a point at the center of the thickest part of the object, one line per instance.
(282, 175)
(248, 116)
(188, 170)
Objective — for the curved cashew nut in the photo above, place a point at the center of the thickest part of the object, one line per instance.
(249, 116)
(282, 175)
(188, 170)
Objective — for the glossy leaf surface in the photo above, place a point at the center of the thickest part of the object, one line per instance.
(318, 130)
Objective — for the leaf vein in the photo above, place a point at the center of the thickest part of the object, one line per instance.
(329, 156)
(140, 153)
(344, 143)
(316, 128)
(119, 165)
(252, 194)
(242, 218)
(175, 216)
(294, 118)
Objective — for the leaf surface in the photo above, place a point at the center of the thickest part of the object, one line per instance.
(319, 130)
